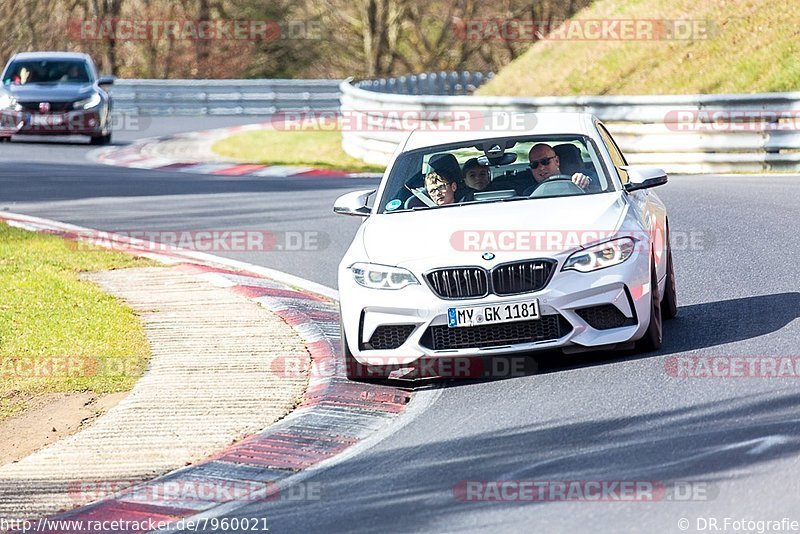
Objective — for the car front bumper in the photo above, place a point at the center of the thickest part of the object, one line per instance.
(77, 122)
(576, 310)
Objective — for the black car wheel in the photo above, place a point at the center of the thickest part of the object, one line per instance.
(101, 139)
(669, 304)
(653, 336)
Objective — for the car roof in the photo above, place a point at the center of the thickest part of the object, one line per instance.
(51, 55)
(539, 123)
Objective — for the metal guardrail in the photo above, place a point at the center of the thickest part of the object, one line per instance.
(429, 83)
(223, 97)
(681, 133)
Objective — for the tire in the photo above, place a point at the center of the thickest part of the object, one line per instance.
(357, 371)
(653, 337)
(669, 303)
(101, 139)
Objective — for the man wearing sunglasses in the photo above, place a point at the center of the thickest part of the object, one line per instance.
(544, 163)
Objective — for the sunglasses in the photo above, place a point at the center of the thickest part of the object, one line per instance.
(542, 162)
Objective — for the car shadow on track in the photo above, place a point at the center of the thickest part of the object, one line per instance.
(697, 327)
(708, 445)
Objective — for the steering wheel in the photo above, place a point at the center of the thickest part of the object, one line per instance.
(557, 181)
(556, 177)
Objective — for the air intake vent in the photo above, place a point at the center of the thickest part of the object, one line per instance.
(388, 337)
(549, 327)
(604, 317)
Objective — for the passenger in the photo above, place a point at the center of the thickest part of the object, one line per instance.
(476, 177)
(544, 164)
(73, 74)
(442, 190)
(476, 174)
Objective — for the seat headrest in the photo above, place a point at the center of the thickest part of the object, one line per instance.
(569, 157)
(446, 165)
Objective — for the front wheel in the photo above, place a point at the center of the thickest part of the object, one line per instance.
(653, 336)
(101, 139)
(669, 304)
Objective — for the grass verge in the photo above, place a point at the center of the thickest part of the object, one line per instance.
(59, 333)
(727, 46)
(321, 149)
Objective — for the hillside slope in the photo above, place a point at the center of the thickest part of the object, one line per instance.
(739, 46)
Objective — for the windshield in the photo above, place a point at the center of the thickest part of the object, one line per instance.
(493, 171)
(25, 72)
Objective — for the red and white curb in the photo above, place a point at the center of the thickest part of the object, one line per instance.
(334, 414)
(141, 155)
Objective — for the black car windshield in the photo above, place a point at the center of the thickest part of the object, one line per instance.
(23, 72)
(495, 170)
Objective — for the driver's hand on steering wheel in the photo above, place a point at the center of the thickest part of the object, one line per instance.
(581, 180)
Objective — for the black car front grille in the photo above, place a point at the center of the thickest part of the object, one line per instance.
(507, 279)
(549, 327)
(521, 277)
(604, 317)
(55, 107)
(459, 282)
(387, 337)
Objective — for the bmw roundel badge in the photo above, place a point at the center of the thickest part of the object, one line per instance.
(488, 256)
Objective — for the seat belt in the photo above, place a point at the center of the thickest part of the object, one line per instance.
(422, 196)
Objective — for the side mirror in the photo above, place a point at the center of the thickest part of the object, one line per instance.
(354, 203)
(641, 177)
(106, 80)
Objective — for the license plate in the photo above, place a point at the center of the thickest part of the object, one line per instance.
(47, 120)
(492, 314)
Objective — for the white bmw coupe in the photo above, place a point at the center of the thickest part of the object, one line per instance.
(483, 244)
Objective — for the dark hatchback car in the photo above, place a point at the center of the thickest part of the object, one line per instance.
(54, 93)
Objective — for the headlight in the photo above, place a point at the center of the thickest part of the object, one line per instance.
(600, 256)
(8, 102)
(381, 276)
(87, 103)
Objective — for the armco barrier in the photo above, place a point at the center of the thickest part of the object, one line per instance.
(645, 127)
(223, 97)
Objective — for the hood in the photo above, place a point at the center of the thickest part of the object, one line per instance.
(50, 92)
(459, 235)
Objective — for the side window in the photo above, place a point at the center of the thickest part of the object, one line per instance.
(616, 156)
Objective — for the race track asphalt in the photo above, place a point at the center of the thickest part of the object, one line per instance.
(619, 417)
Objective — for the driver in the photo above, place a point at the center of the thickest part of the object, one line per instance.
(544, 164)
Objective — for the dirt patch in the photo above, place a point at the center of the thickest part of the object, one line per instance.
(48, 418)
